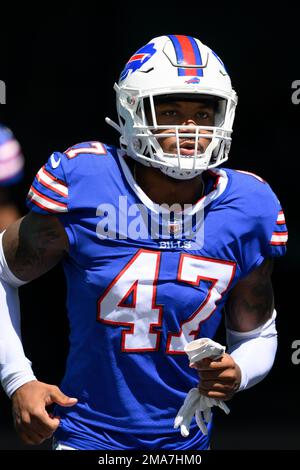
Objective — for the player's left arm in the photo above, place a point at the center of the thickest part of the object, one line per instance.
(251, 301)
(249, 320)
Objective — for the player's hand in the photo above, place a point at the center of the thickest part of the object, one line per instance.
(219, 378)
(32, 421)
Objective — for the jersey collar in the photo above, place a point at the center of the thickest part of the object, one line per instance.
(221, 181)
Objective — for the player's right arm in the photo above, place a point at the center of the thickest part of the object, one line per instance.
(31, 247)
(34, 244)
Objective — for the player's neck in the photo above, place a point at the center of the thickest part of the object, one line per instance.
(162, 189)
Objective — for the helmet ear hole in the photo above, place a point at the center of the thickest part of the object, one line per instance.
(137, 145)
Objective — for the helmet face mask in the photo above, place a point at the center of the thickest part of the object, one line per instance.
(169, 73)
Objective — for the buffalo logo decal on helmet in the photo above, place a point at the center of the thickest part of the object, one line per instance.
(194, 80)
(138, 60)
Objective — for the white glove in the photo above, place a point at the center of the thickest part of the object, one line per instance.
(187, 411)
(196, 404)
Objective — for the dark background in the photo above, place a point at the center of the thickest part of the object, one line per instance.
(59, 66)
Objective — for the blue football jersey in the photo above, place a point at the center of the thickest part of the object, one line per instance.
(142, 282)
(11, 158)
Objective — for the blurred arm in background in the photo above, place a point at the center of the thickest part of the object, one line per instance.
(11, 171)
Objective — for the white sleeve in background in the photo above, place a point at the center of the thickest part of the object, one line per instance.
(254, 351)
(15, 368)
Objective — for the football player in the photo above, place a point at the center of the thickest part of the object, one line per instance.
(11, 171)
(156, 239)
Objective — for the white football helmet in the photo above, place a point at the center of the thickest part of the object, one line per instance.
(183, 67)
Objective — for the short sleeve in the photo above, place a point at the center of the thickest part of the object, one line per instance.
(258, 221)
(277, 243)
(49, 193)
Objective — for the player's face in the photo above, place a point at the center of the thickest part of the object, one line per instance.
(187, 114)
